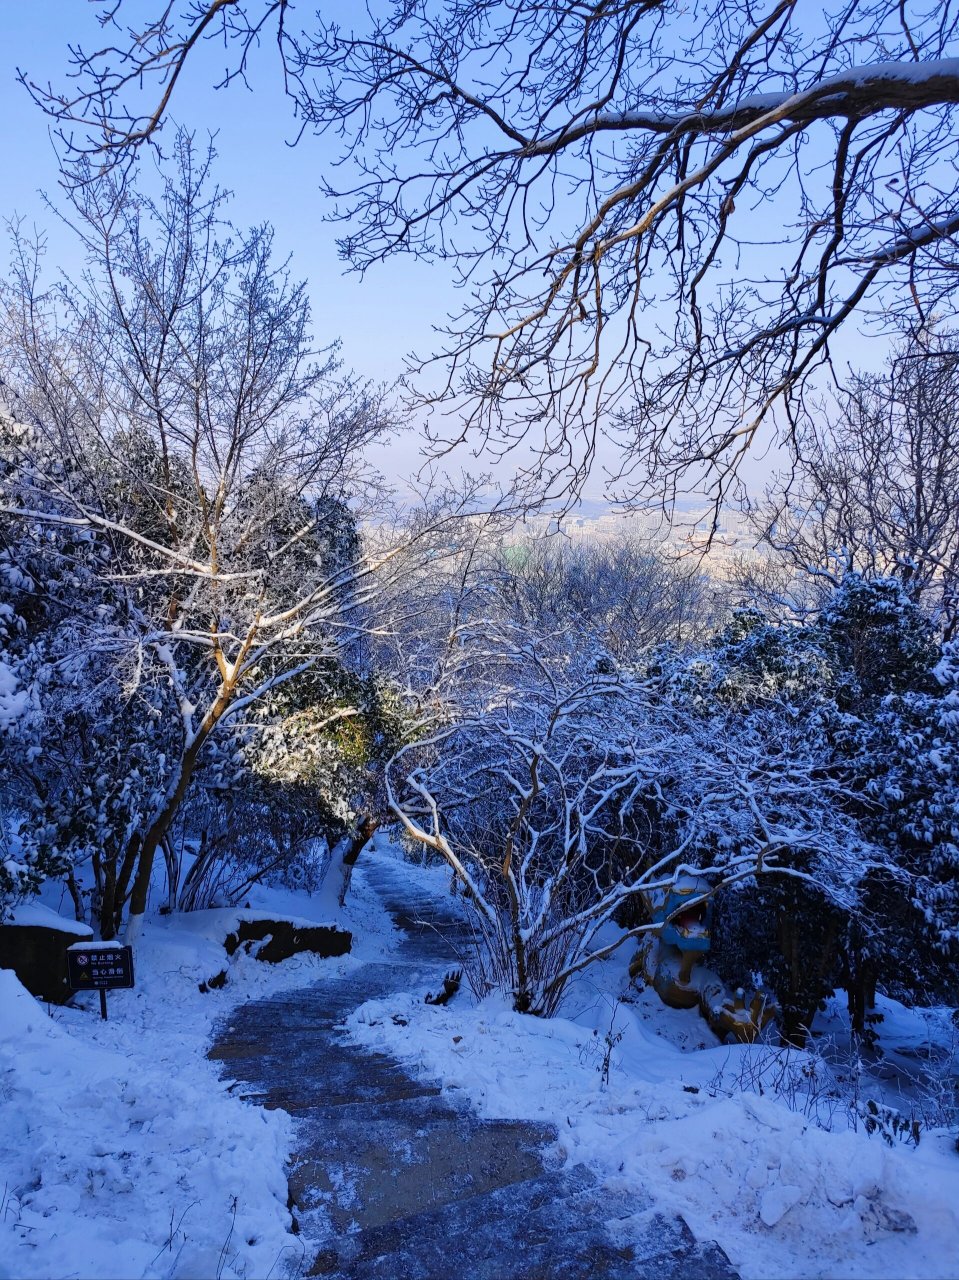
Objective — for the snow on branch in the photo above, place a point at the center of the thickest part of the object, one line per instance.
(557, 806)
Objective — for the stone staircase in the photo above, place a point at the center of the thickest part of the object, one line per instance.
(393, 1180)
(558, 1225)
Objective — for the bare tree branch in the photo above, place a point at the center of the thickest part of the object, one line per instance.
(661, 225)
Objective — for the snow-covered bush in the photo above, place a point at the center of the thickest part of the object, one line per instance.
(569, 791)
(619, 595)
(827, 1089)
(861, 679)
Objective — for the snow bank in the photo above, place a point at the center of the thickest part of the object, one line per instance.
(36, 914)
(121, 1152)
(120, 1156)
(216, 923)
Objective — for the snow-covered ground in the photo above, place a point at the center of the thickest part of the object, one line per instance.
(783, 1197)
(123, 1154)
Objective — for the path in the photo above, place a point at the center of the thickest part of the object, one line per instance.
(393, 1180)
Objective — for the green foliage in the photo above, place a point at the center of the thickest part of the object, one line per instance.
(781, 933)
(879, 640)
(330, 731)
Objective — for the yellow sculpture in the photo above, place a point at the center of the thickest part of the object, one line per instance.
(667, 960)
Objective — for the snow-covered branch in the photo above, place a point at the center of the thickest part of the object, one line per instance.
(574, 797)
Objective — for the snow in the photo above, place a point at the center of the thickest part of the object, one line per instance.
(121, 1152)
(13, 700)
(781, 1196)
(216, 923)
(924, 72)
(96, 945)
(37, 914)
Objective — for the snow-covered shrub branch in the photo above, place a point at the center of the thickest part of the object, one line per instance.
(568, 792)
(863, 681)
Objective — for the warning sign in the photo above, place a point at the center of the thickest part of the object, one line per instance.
(99, 967)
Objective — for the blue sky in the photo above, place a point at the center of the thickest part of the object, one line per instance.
(378, 319)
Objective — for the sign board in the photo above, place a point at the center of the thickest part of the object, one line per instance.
(99, 966)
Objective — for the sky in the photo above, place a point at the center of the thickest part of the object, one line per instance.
(379, 318)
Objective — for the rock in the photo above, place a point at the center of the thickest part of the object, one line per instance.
(891, 1219)
(216, 983)
(883, 1217)
(283, 938)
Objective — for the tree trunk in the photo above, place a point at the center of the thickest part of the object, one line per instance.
(172, 862)
(870, 990)
(860, 982)
(77, 897)
(161, 824)
(862, 998)
(364, 834)
(795, 1028)
(187, 897)
(807, 966)
(151, 842)
(117, 887)
(106, 910)
(343, 858)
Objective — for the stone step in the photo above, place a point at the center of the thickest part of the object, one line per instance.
(315, 1075)
(574, 1255)
(361, 1169)
(570, 1255)
(553, 1224)
(662, 1248)
(396, 1180)
(327, 1004)
(560, 1226)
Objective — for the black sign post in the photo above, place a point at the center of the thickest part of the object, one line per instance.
(99, 966)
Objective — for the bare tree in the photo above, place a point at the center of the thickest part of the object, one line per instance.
(566, 793)
(175, 411)
(876, 490)
(622, 595)
(661, 219)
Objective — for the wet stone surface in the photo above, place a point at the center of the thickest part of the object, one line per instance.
(394, 1179)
